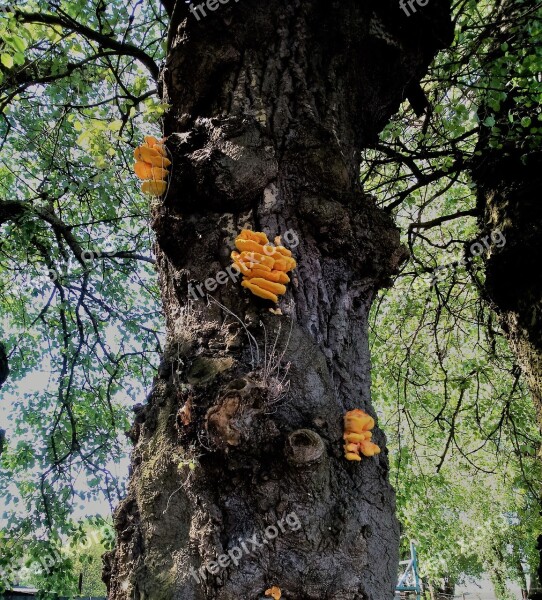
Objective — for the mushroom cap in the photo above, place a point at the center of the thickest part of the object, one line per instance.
(352, 456)
(152, 156)
(255, 236)
(144, 153)
(248, 245)
(154, 188)
(143, 170)
(356, 438)
(359, 416)
(274, 592)
(369, 449)
(266, 273)
(357, 424)
(159, 173)
(356, 412)
(258, 291)
(151, 141)
(275, 288)
(239, 263)
(249, 260)
(351, 448)
(282, 250)
(284, 263)
(256, 258)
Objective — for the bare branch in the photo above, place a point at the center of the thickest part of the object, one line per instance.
(473, 212)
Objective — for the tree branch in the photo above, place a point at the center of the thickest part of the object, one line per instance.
(90, 34)
(26, 79)
(169, 5)
(12, 210)
(473, 212)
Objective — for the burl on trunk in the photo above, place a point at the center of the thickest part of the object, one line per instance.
(239, 481)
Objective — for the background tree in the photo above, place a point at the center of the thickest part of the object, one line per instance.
(462, 435)
(474, 160)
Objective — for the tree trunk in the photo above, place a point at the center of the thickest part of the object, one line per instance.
(238, 453)
(447, 590)
(509, 180)
(509, 186)
(4, 366)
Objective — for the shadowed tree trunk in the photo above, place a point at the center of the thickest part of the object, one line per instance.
(4, 372)
(509, 184)
(4, 367)
(271, 103)
(447, 590)
(509, 181)
(508, 175)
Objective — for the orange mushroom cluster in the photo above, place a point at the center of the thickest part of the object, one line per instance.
(274, 592)
(264, 266)
(357, 435)
(151, 166)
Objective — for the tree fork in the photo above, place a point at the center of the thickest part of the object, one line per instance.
(271, 104)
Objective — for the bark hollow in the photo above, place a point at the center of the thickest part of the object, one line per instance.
(241, 437)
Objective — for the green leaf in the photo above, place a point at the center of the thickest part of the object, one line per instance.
(7, 60)
(115, 125)
(18, 43)
(18, 58)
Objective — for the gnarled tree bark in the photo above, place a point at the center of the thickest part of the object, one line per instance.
(270, 105)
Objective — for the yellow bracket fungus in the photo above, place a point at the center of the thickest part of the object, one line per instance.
(154, 188)
(258, 291)
(151, 166)
(276, 288)
(264, 266)
(274, 592)
(357, 435)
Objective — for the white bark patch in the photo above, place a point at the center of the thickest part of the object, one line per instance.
(270, 197)
(230, 228)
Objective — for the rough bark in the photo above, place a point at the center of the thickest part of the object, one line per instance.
(509, 186)
(270, 105)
